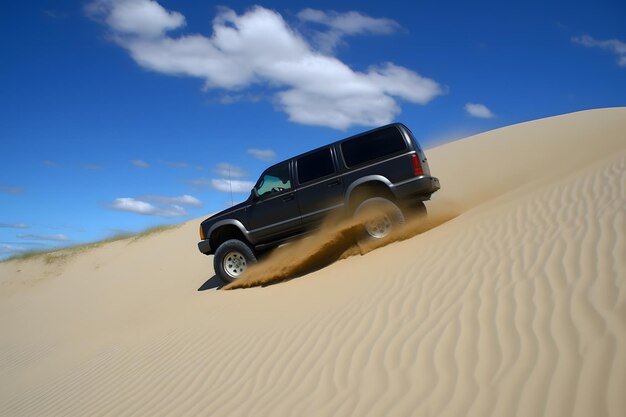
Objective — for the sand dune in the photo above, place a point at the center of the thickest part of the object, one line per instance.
(515, 307)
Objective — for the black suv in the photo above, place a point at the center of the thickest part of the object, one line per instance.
(384, 167)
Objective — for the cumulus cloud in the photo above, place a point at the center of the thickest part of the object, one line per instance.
(238, 98)
(221, 184)
(616, 46)
(139, 163)
(133, 205)
(183, 200)
(351, 23)
(144, 18)
(479, 110)
(156, 205)
(236, 186)
(7, 250)
(339, 25)
(55, 238)
(14, 226)
(225, 169)
(259, 48)
(265, 155)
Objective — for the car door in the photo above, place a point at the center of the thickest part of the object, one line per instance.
(274, 213)
(320, 187)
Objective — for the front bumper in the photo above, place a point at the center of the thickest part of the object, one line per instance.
(205, 247)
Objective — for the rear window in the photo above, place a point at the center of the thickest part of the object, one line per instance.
(315, 165)
(372, 146)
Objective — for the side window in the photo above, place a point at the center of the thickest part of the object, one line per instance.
(372, 146)
(315, 165)
(274, 180)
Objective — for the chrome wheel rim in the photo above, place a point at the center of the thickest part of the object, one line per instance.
(234, 264)
(379, 227)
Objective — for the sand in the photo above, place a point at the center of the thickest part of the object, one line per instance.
(517, 306)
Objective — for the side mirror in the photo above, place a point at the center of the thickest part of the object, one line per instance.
(255, 194)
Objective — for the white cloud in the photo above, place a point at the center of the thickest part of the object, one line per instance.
(225, 169)
(221, 184)
(139, 163)
(142, 207)
(236, 186)
(259, 47)
(56, 237)
(14, 226)
(238, 98)
(10, 250)
(478, 110)
(394, 80)
(265, 155)
(342, 24)
(352, 23)
(616, 46)
(136, 17)
(183, 200)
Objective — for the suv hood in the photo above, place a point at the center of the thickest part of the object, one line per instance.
(226, 212)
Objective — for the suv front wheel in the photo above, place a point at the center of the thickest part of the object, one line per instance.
(231, 259)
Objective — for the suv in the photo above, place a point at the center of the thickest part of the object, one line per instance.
(384, 167)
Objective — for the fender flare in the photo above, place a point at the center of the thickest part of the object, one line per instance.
(367, 179)
(231, 222)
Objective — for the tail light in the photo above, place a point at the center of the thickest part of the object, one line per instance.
(417, 167)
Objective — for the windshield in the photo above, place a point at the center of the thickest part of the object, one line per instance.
(274, 180)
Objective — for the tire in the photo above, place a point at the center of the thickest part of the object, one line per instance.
(387, 216)
(231, 259)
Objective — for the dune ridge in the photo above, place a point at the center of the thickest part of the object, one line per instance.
(515, 307)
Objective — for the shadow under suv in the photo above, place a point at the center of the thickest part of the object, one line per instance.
(384, 167)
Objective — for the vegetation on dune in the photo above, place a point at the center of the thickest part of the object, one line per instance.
(62, 254)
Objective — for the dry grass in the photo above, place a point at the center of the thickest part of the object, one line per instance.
(63, 254)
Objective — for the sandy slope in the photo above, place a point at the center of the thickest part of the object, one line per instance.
(515, 307)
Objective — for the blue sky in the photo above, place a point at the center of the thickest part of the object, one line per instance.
(118, 115)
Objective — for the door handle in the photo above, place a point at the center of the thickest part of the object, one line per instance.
(288, 197)
(332, 184)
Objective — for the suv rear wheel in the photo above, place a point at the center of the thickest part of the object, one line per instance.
(380, 217)
(231, 259)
